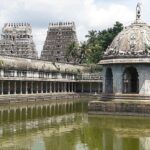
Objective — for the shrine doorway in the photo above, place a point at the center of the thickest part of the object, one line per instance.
(130, 80)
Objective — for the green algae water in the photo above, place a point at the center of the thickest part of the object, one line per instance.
(66, 125)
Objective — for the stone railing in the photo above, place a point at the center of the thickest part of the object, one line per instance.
(49, 75)
(92, 76)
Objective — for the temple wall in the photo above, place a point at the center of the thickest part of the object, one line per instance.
(117, 77)
(118, 69)
(144, 79)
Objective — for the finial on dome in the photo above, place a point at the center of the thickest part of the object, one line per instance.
(138, 11)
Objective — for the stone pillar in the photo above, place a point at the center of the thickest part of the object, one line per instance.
(82, 88)
(98, 87)
(65, 87)
(58, 87)
(75, 87)
(117, 79)
(14, 87)
(41, 87)
(69, 87)
(31, 87)
(8, 87)
(144, 79)
(26, 87)
(37, 88)
(104, 78)
(90, 87)
(54, 87)
(72, 87)
(50, 87)
(46, 87)
(62, 87)
(20, 87)
(2, 85)
(2, 73)
(15, 73)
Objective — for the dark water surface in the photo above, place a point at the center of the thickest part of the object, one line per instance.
(65, 125)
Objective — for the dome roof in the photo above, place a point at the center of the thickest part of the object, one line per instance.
(133, 41)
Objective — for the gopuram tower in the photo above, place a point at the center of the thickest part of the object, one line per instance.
(59, 36)
(17, 40)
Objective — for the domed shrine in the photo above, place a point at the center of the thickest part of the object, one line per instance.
(126, 62)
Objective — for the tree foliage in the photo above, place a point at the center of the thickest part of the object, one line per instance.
(98, 41)
(91, 51)
(72, 53)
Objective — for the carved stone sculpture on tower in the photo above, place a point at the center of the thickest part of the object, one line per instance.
(17, 40)
(132, 42)
(138, 11)
(59, 36)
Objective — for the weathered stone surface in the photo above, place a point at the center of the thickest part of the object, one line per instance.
(120, 107)
(31, 64)
(133, 41)
(17, 40)
(125, 61)
(143, 71)
(59, 36)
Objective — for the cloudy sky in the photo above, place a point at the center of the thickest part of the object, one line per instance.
(87, 14)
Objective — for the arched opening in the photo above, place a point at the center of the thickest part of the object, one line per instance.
(109, 81)
(130, 80)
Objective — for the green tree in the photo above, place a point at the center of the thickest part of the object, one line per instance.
(84, 51)
(91, 51)
(92, 36)
(72, 53)
(97, 43)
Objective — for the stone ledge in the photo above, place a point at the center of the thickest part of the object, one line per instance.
(132, 108)
(125, 61)
(125, 97)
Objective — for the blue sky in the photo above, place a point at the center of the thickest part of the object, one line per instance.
(87, 14)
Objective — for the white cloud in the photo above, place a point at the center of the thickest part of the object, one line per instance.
(39, 36)
(87, 14)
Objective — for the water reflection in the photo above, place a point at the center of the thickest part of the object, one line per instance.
(32, 123)
(119, 133)
(32, 111)
(65, 125)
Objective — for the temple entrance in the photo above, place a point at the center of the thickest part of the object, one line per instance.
(109, 81)
(130, 80)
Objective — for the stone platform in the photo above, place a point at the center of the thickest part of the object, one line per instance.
(129, 105)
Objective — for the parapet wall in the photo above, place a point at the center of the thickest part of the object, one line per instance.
(15, 28)
(61, 24)
(16, 24)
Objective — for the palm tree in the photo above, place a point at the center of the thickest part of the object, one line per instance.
(84, 51)
(92, 36)
(72, 53)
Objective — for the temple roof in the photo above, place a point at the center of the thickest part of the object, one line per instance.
(132, 42)
(39, 65)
